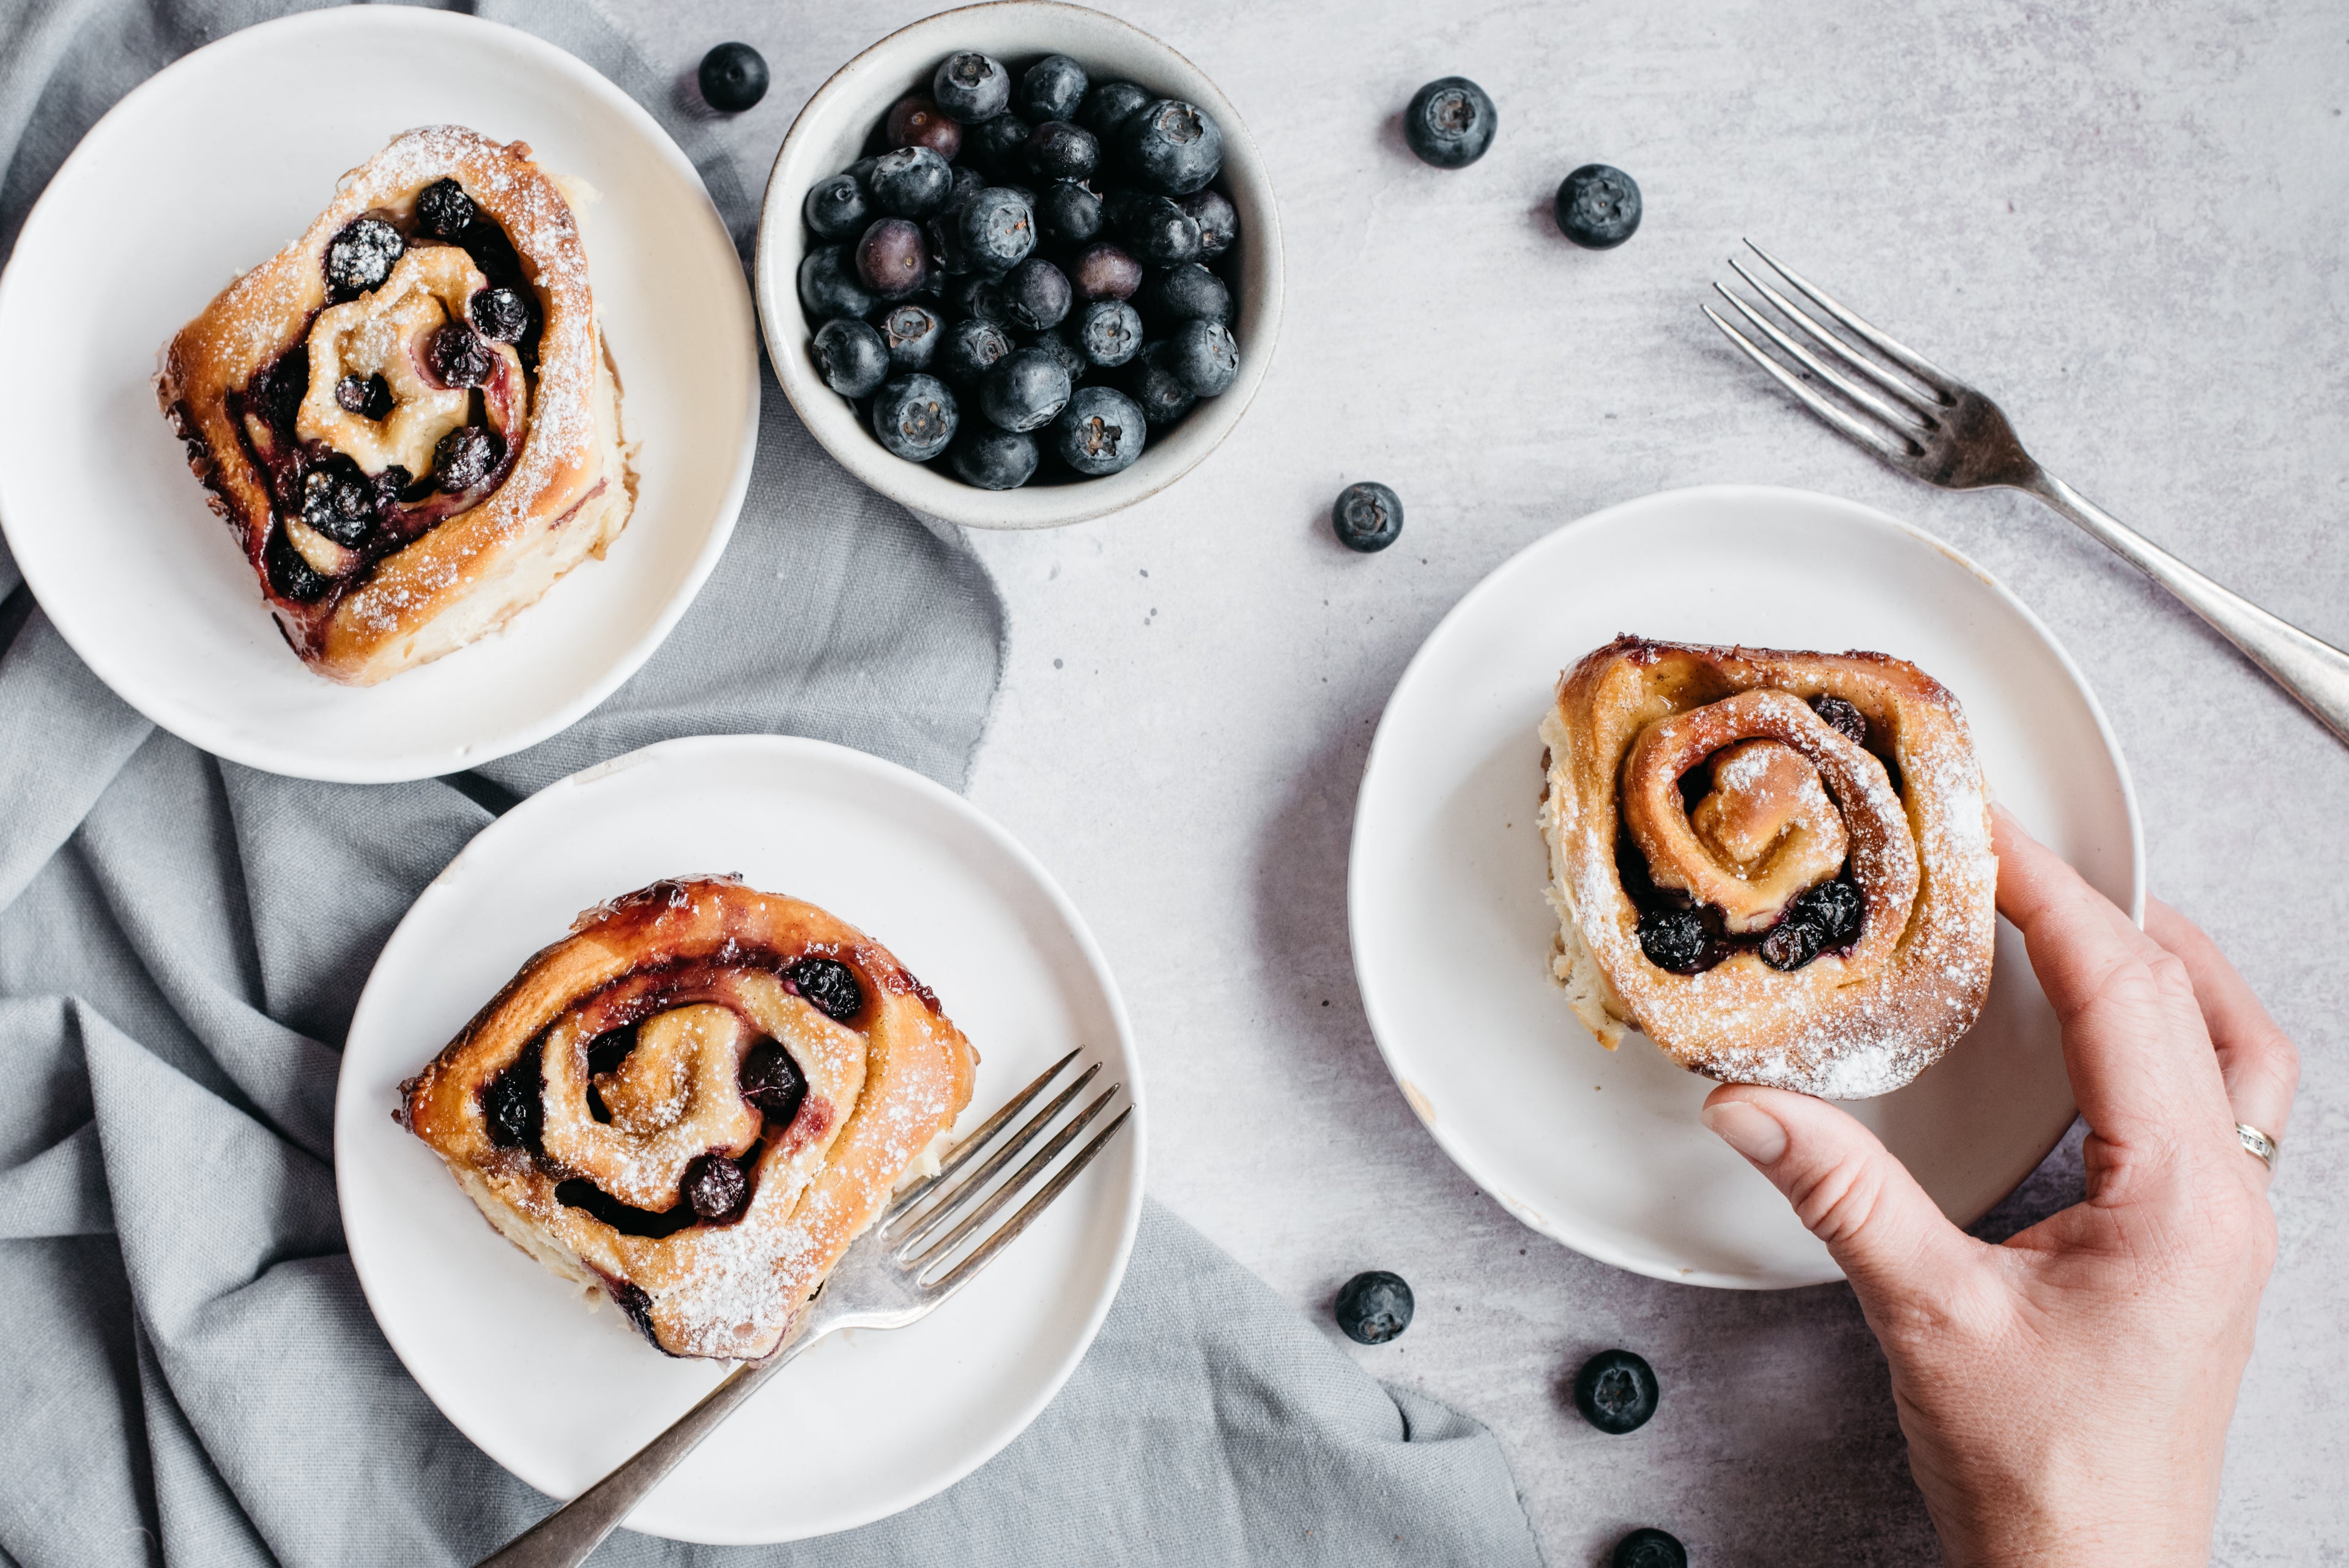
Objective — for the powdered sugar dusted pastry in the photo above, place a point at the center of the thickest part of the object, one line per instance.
(1776, 864)
(695, 1101)
(409, 416)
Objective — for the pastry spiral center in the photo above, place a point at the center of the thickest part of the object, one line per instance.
(1770, 823)
(388, 333)
(1776, 821)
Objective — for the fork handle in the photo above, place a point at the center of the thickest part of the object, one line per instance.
(2315, 671)
(564, 1538)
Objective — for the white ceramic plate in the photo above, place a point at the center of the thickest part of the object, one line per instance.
(125, 246)
(830, 134)
(1452, 938)
(867, 1423)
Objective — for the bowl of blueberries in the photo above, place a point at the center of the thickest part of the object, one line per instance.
(1018, 265)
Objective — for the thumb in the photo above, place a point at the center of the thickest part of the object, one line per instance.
(1890, 1239)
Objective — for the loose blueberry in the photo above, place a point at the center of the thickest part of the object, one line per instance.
(1070, 358)
(1068, 214)
(1373, 1307)
(1598, 206)
(914, 417)
(1173, 148)
(1367, 516)
(291, 576)
(500, 313)
(1105, 272)
(968, 183)
(1187, 292)
(1160, 233)
(1675, 939)
(1052, 89)
(443, 210)
(911, 183)
(992, 459)
(916, 121)
(1616, 1391)
(339, 501)
(861, 171)
(1025, 390)
(717, 1189)
(1161, 395)
(1107, 105)
(830, 286)
(1205, 356)
(998, 229)
(1036, 294)
(466, 456)
(972, 87)
(369, 397)
(362, 256)
(773, 1084)
(1648, 1548)
(972, 348)
(999, 147)
(1109, 332)
(1100, 432)
(892, 258)
(513, 1103)
(911, 333)
(1218, 220)
(1059, 151)
(459, 356)
(1842, 716)
(1450, 122)
(837, 209)
(852, 358)
(829, 984)
(733, 76)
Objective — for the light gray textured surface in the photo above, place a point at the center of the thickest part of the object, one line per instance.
(2124, 220)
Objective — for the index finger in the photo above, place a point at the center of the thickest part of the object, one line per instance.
(2133, 1042)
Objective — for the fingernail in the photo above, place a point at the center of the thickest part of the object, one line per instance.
(1746, 1127)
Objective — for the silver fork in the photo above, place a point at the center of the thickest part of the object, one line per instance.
(1932, 425)
(902, 1269)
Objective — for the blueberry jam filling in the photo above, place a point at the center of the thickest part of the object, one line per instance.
(1841, 716)
(369, 396)
(1677, 940)
(830, 984)
(578, 1193)
(1822, 920)
(361, 257)
(444, 210)
(772, 1083)
(500, 313)
(465, 457)
(460, 355)
(339, 501)
(716, 1190)
(513, 1104)
(631, 1300)
(290, 576)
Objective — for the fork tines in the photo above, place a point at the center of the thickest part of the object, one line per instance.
(1904, 406)
(931, 1222)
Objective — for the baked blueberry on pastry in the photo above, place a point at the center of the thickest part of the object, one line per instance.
(407, 416)
(695, 1101)
(1776, 865)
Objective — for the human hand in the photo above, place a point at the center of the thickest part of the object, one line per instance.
(2065, 1395)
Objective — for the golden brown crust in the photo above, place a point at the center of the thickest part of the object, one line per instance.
(1633, 717)
(698, 962)
(568, 494)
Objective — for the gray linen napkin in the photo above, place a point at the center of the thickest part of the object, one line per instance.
(187, 1369)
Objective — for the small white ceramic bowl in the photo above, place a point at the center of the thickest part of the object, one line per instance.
(830, 133)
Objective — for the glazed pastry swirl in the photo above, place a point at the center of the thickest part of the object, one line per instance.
(1774, 864)
(409, 416)
(695, 1102)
